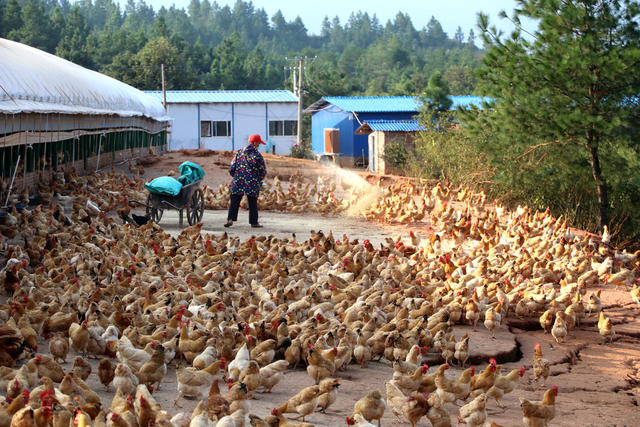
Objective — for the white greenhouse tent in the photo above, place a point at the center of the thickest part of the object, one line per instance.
(56, 115)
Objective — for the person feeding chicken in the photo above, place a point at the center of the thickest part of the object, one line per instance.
(248, 170)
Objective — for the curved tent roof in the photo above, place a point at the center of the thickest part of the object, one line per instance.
(33, 81)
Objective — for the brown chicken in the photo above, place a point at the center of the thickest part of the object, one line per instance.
(539, 413)
(146, 406)
(106, 372)
(410, 407)
(79, 337)
(276, 419)
(541, 366)
(43, 416)
(29, 334)
(504, 384)
(320, 367)
(191, 381)
(303, 403)
(449, 389)
(81, 368)
(123, 408)
(605, 327)
(124, 379)
(153, 370)
(11, 346)
(327, 393)
(559, 330)
(47, 367)
(251, 377)
(216, 405)
(411, 383)
(474, 413)
(371, 407)
(271, 374)
(483, 382)
(189, 347)
(24, 418)
(9, 408)
(59, 347)
(237, 397)
(146, 413)
(87, 394)
(58, 322)
(264, 352)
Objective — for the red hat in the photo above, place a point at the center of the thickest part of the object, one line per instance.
(256, 138)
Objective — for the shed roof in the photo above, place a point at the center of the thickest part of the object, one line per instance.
(384, 104)
(34, 81)
(389, 126)
(224, 96)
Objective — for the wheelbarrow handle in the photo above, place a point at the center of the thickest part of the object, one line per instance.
(133, 203)
(171, 205)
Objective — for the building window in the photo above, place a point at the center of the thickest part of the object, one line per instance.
(205, 129)
(283, 127)
(216, 128)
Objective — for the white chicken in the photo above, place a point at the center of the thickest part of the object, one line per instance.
(240, 362)
(131, 356)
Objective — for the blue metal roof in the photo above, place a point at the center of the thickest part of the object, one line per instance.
(379, 104)
(394, 125)
(224, 96)
(466, 101)
(370, 104)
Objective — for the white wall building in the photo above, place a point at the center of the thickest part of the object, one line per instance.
(223, 120)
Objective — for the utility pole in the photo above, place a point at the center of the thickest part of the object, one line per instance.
(300, 74)
(294, 81)
(300, 60)
(164, 92)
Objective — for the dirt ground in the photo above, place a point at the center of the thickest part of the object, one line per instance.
(598, 383)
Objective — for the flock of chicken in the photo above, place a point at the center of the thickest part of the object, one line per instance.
(245, 312)
(297, 196)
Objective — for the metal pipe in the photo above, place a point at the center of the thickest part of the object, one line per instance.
(99, 146)
(6, 203)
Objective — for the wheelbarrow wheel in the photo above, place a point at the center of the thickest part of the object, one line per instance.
(154, 213)
(195, 210)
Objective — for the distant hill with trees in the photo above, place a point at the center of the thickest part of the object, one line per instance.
(206, 46)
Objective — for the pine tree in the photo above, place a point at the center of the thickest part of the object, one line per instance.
(574, 85)
(459, 35)
(436, 95)
(10, 18)
(73, 39)
(36, 29)
(471, 38)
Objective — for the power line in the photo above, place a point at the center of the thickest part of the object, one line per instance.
(300, 60)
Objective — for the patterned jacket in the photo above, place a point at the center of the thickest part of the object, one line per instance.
(248, 170)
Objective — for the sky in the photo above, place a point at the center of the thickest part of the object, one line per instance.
(450, 13)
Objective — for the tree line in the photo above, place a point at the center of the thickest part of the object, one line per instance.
(562, 129)
(207, 46)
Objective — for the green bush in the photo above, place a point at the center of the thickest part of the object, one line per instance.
(442, 151)
(301, 151)
(395, 154)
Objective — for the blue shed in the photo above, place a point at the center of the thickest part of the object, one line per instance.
(347, 114)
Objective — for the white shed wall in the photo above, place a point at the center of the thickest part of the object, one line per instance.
(246, 119)
(184, 126)
(282, 111)
(249, 119)
(217, 112)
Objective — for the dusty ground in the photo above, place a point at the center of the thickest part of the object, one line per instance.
(598, 383)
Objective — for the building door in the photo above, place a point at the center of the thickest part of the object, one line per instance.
(372, 150)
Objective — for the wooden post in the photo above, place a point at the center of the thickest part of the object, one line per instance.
(300, 74)
(164, 92)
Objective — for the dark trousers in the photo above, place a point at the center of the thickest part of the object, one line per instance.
(235, 205)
